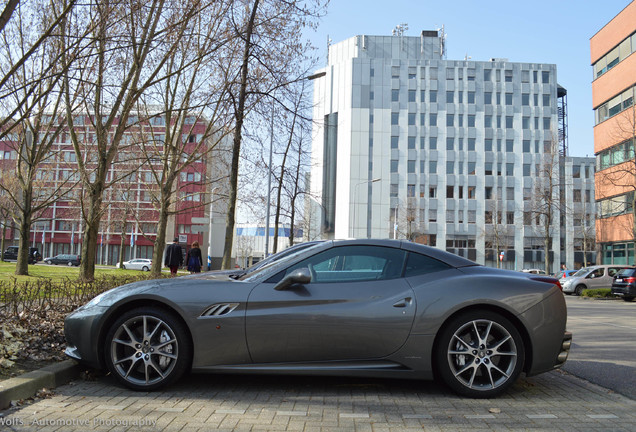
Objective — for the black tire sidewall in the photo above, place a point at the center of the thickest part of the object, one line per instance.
(448, 329)
(579, 289)
(184, 359)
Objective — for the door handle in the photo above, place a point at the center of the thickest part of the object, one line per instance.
(402, 303)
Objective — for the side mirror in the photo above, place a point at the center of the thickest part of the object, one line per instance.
(298, 276)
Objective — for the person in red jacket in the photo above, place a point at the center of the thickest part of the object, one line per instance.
(174, 257)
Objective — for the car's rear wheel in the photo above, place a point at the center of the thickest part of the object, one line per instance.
(145, 268)
(123, 267)
(628, 299)
(479, 354)
(70, 263)
(147, 348)
(579, 290)
(49, 262)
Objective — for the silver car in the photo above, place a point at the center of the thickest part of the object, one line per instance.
(384, 308)
(600, 276)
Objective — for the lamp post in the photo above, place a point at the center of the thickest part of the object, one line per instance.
(355, 195)
(210, 232)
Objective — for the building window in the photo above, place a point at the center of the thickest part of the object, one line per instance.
(546, 100)
(411, 119)
(471, 121)
(472, 216)
(487, 75)
(526, 170)
(488, 168)
(545, 77)
(525, 76)
(488, 144)
(546, 123)
(432, 119)
(510, 193)
(450, 97)
(525, 99)
(395, 118)
(394, 141)
(410, 191)
(488, 121)
(471, 192)
(450, 192)
(472, 168)
(395, 95)
(433, 95)
(509, 122)
(411, 167)
(393, 193)
(471, 144)
(450, 120)
(394, 165)
(488, 192)
(432, 143)
(508, 75)
(471, 97)
(510, 146)
(450, 167)
(432, 167)
(450, 216)
(510, 169)
(470, 74)
(411, 95)
(510, 218)
(411, 142)
(432, 192)
(432, 215)
(487, 98)
(525, 122)
(509, 99)
(450, 143)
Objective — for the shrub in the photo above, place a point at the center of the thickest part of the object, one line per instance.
(598, 293)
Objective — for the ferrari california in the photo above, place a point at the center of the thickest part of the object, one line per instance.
(375, 308)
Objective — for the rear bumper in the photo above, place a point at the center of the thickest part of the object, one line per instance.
(625, 291)
(565, 350)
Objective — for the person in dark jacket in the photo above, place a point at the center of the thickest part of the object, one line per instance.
(174, 257)
(194, 259)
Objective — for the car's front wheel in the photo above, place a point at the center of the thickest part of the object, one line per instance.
(628, 298)
(479, 354)
(145, 268)
(579, 290)
(147, 348)
(70, 263)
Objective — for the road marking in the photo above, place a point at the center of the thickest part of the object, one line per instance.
(291, 413)
(229, 411)
(353, 415)
(480, 416)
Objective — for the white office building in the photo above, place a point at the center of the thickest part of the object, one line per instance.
(408, 144)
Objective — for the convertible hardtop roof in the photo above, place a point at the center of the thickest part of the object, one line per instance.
(447, 257)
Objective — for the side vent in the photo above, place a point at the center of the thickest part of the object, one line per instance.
(219, 309)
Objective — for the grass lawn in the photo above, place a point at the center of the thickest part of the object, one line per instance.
(55, 272)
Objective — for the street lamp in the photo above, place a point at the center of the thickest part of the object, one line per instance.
(355, 195)
(210, 233)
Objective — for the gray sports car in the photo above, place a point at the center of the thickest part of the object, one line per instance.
(383, 308)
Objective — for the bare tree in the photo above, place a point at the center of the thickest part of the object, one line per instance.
(126, 54)
(546, 204)
(269, 35)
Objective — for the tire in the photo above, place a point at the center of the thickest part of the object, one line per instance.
(69, 264)
(49, 262)
(123, 267)
(628, 299)
(147, 348)
(144, 268)
(579, 290)
(479, 354)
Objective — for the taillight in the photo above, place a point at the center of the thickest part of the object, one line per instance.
(630, 279)
(548, 279)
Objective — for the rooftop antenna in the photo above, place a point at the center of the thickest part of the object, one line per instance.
(442, 41)
(328, 46)
(400, 29)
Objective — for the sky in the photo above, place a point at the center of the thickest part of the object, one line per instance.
(539, 31)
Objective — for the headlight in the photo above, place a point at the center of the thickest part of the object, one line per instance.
(95, 301)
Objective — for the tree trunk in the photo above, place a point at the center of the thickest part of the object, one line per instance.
(26, 216)
(89, 248)
(236, 148)
(160, 240)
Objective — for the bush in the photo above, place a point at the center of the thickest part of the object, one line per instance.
(32, 313)
(598, 293)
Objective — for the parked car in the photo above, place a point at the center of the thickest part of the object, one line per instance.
(561, 275)
(11, 254)
(385, 308)
(68, 259)
(534, 271)
(593, 277)
(624, 284)
(142, 264)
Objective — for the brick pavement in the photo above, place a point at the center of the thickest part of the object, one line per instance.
(552, 401)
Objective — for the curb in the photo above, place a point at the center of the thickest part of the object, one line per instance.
(28, 384)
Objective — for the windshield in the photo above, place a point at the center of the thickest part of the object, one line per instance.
(583, 271)
(274, 266)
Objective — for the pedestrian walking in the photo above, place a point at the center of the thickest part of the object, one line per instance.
(174, 257)
(194, 259)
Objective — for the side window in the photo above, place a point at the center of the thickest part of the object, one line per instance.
(612, 271)
(354, 264)
(418, 264)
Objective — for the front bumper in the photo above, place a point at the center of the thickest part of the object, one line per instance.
(81, 330)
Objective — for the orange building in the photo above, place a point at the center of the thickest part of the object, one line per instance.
(613, 57)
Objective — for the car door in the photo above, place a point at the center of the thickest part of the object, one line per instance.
(595, 279)
(357, 306)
